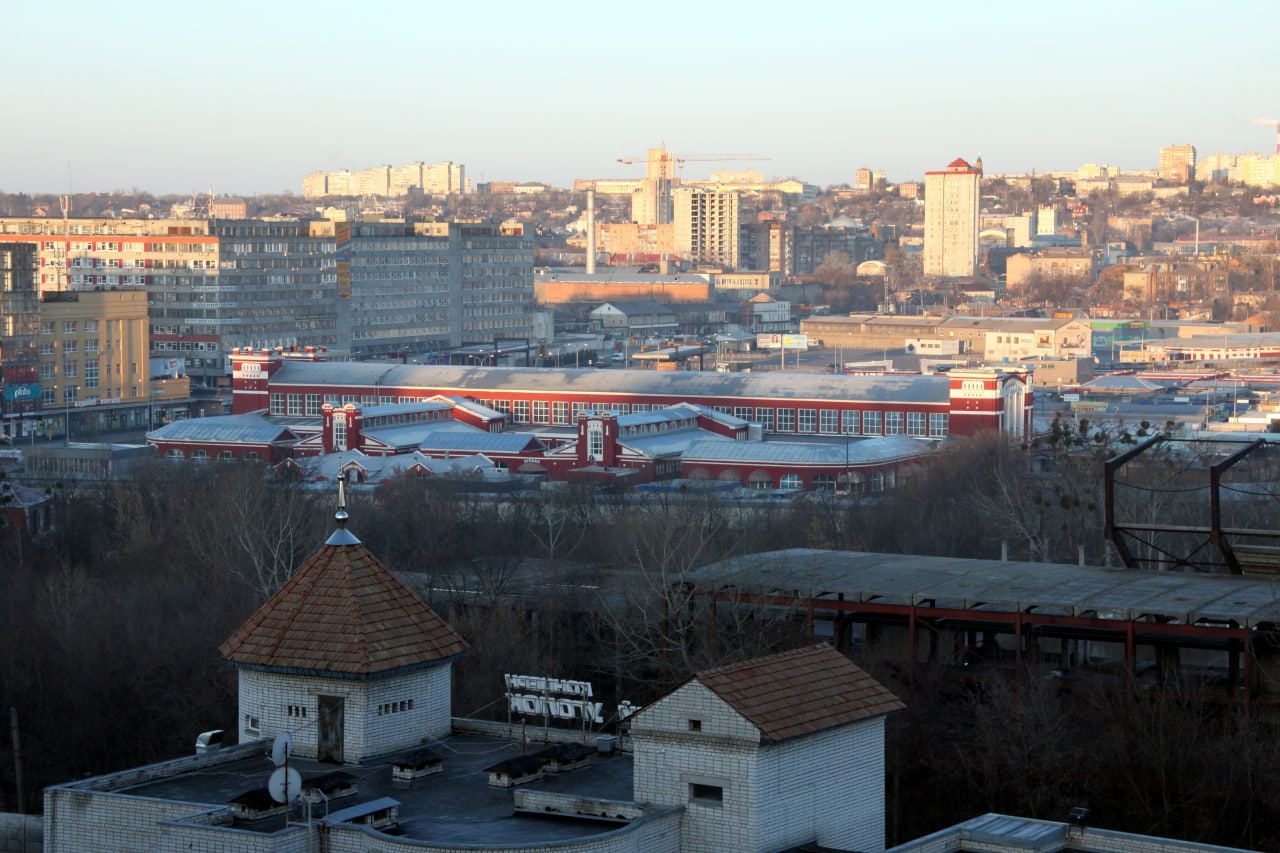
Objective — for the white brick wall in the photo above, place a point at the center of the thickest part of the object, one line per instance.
(267, 696)
(827, 786)
(668, 756)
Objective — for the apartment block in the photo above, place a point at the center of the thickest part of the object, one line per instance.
(371, 288)
(1177, 163)
(706, 226)
(631, 241)
(431, 178)
(951, 201)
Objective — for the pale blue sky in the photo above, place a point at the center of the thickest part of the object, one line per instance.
(249, 96)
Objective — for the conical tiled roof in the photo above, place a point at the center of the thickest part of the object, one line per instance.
(343, 613)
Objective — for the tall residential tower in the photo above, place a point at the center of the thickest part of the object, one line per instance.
(951, 220)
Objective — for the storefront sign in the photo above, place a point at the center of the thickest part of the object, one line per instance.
(554, 697)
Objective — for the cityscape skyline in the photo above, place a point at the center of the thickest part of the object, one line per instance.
(520, 93)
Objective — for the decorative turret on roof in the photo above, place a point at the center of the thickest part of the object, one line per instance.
(343, 614)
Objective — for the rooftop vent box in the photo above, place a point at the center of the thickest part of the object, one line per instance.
(210, 741)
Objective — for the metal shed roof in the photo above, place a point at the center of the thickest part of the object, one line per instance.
(859, 452)
(690, 385)
(1121, 594)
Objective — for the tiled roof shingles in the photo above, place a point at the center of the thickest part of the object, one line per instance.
(799, 692)
(343, 612)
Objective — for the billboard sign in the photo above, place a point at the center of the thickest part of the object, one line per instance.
(765, 340)
(22, 391)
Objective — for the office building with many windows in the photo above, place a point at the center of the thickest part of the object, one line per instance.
(367, 288)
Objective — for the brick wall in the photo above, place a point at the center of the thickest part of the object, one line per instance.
(269, 696)
(827, 786)
(669, 757)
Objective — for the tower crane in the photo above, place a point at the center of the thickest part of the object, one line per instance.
(662, 156)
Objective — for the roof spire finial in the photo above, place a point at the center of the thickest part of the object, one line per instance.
(341, 515)
(342, 536)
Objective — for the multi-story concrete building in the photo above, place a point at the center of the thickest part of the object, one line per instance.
(1177, 163)
(810, 246)
(706, 226)
(766, 246)
(431, 178)
(372, 288)
(862, 179)
(951, 220)
(1066, 263)
(93, 353)
(19, 330)
(629, 242)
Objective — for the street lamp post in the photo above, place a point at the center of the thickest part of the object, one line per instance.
(66, 399)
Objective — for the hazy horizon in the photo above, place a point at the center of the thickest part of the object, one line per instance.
(248, 99)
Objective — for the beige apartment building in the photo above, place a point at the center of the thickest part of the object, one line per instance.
(431, 178)
(93, 346)
(1177, 163)
(630, 239)
(706, 226)
(1051, 263)
(951, 200)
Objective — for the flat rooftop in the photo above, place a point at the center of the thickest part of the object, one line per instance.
(1002, 586)
(456, 806)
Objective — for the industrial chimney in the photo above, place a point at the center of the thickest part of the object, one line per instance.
(591, 233)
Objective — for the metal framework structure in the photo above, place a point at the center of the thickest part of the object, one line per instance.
(1206, 539)
(992, 618)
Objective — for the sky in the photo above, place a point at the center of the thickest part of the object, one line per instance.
(248, 97)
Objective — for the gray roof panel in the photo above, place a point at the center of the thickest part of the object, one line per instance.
(690, 385)
(1122, 594)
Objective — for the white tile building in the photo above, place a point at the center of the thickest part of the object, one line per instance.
(768, 754)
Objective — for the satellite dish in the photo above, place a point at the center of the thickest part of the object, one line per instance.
(282, 748)
(277, 788)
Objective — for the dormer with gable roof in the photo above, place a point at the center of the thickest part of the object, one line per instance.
(346, 658)
(768, 754)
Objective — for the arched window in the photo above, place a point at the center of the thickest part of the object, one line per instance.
(824, 483)
(699, 474)
(200, 454)
(791, 481)
(760, 480)
(173, 453)
(253, 456)
(730, 475)
(226, 456)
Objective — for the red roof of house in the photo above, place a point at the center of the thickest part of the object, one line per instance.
(959, 163)
(800, 692)
(343, 613)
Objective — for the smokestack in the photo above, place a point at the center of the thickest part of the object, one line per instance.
(591, 233)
